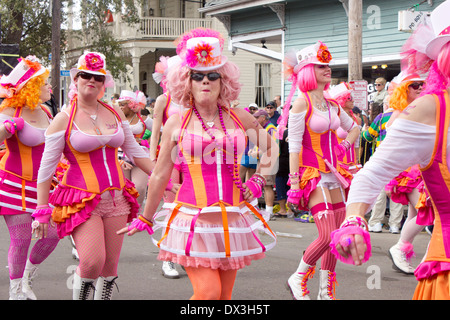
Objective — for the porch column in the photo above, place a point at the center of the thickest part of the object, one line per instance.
(135, 61)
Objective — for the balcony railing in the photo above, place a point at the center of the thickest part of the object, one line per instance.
(156, 27)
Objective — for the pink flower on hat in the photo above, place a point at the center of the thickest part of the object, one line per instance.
(94, 62)
(202, 54)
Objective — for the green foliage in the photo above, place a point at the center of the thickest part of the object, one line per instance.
(29, 23)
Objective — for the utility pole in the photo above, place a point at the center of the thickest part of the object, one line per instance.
(354, 40)
(56, 49)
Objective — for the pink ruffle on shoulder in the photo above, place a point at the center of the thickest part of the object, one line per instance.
(74, 206)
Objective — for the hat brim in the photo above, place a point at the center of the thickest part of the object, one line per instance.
(434, 46)
(224, 59)
(37, 74)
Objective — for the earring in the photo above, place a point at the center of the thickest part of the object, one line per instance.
(191, 99)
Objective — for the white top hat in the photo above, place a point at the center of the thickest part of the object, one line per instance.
(127, 95)
(23, 72)
(441, 26)
(317, 53)
(204, 54)
(93, 63)
(163, 67)
(339, 89)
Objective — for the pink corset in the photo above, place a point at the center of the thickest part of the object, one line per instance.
(320, 121)
(206, 179)
(83, 142)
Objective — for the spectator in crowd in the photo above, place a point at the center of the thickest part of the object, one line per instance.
(271, 109)
(269, 194)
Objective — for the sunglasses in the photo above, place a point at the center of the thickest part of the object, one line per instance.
(378, 84)
(88, 76)
(212, 76)
(270, 107)
(416, 85)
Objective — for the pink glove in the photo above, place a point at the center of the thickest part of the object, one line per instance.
(42, 214)
(344, 236)
(342, 148)
(294, 196)
(255, 188)
(141, 225)
(14, 125)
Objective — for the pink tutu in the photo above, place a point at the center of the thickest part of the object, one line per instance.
(16, 198)
(197, 239)
(404, 183)
(425, 213)
(74, 206)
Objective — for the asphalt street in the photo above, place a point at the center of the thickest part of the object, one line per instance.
(140, 275)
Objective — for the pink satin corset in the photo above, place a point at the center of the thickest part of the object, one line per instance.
(207, 180)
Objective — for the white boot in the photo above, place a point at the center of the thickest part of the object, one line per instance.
(401, 257)
(327, 282)
(82, 287)
(169, 271)
(104, 287)
(29, 274)
(297, 281)
(15, 290)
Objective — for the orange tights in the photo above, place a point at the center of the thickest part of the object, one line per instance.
(211, 284)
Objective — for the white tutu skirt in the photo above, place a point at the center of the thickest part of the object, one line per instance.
(209, 238)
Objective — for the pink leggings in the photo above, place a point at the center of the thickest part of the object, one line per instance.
(96, 240)
(326, 221)
(19, 226)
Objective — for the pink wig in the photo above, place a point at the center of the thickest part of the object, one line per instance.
(343, 98)
(439, 76)
(179, 84)
(305, 79)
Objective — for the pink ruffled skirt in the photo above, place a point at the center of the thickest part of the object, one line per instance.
(404, 183)
(196, 238)
(74, 206)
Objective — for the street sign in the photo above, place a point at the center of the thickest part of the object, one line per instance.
(65, 73)
(408, 20)
(359, 93)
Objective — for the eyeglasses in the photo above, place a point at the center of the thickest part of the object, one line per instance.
(416, 85)
(88, 76)
(212, 76)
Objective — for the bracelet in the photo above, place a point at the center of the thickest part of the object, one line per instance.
(12, 126)
(346, 144)
(355, 220)
(145, 220)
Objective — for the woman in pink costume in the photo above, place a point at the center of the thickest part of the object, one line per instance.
(417, 136)
(25, 119)
(317, 180)
(342, 93)
(210, 228)
(407, 187)
(131, 103)
(93, 199)
(164, 108)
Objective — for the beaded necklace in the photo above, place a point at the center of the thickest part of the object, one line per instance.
(234, 169)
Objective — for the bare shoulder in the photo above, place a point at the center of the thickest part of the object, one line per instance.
(299, 105)
(9, 112)
(422, 110)
(247, 119)
(59, 123)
